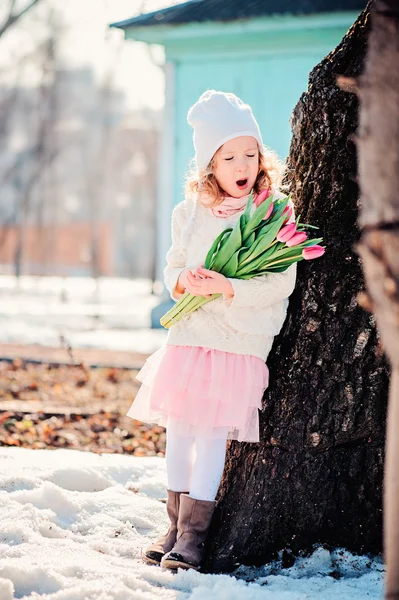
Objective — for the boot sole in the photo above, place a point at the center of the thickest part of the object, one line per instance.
(176, 564)
(150, 561)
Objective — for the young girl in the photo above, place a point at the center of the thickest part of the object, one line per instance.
(206, 384)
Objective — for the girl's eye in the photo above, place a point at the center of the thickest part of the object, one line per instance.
(248, 155)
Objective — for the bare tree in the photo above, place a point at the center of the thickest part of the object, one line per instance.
(24, 168)
(12, 16)
(36, 160)
(60, 141)
(316, 475)
(378, 150)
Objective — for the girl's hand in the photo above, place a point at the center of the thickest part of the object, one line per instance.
(205, 282)
(181, 285)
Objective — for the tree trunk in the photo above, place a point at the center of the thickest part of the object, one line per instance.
(316, 475)
(378, 147)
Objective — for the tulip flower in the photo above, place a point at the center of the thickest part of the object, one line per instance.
(257, 244)
(261, 198)
(269, 212)
(287, 211)
(296, 239)
(312, 252)
(286, 232)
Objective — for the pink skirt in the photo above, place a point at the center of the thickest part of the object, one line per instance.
(206, 392)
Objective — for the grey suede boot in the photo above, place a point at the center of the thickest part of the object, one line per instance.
(155, 552)
(192, 530)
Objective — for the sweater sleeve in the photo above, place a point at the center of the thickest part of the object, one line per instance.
(266, 295)
(176, 255)
(264, 290)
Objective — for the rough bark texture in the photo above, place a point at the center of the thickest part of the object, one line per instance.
(317, 474)
(378, 151)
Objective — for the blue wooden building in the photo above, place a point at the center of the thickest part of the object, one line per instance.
(262, 50)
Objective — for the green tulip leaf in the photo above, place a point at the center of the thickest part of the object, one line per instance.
(214, 247)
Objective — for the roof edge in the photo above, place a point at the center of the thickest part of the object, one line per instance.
(145, 16)
(269, 24)
(146, 20)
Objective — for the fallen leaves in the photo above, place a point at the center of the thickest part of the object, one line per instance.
(73, 406)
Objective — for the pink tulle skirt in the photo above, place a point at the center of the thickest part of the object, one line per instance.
(206, 392)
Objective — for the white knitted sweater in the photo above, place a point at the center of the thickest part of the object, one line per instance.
(244, 324)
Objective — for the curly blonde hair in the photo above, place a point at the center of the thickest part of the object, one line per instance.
(270, 173)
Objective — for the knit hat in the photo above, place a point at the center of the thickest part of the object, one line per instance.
(216, 118)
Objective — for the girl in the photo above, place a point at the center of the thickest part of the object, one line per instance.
(206, 384)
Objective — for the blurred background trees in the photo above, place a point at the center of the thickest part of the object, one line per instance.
(76, 162)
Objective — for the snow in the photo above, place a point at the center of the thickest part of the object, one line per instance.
(73, 525)
(112, 314)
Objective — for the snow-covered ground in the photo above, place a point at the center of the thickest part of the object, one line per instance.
(113, 315)
(73, 525)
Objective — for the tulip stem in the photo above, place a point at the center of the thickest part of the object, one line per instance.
(282, 260)
(181, 308)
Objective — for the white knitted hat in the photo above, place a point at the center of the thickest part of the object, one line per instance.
(216, 118)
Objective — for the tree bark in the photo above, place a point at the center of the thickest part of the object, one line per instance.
(378, 150)
(316, 476)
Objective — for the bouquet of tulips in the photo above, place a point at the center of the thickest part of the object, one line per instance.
(258, 244)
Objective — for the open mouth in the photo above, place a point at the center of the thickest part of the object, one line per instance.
(242, 183)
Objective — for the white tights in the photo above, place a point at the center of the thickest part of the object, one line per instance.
(194, 464)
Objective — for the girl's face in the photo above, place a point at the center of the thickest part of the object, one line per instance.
(236, 165)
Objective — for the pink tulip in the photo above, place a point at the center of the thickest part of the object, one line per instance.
(287, 211)
(269, 212)
(296, 239)
(261, 197)
(286, 232)
(312, 252)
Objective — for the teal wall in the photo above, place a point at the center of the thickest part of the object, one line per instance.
(271, 85)
(268, 70)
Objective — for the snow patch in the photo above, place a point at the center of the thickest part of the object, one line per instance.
(74, 525)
